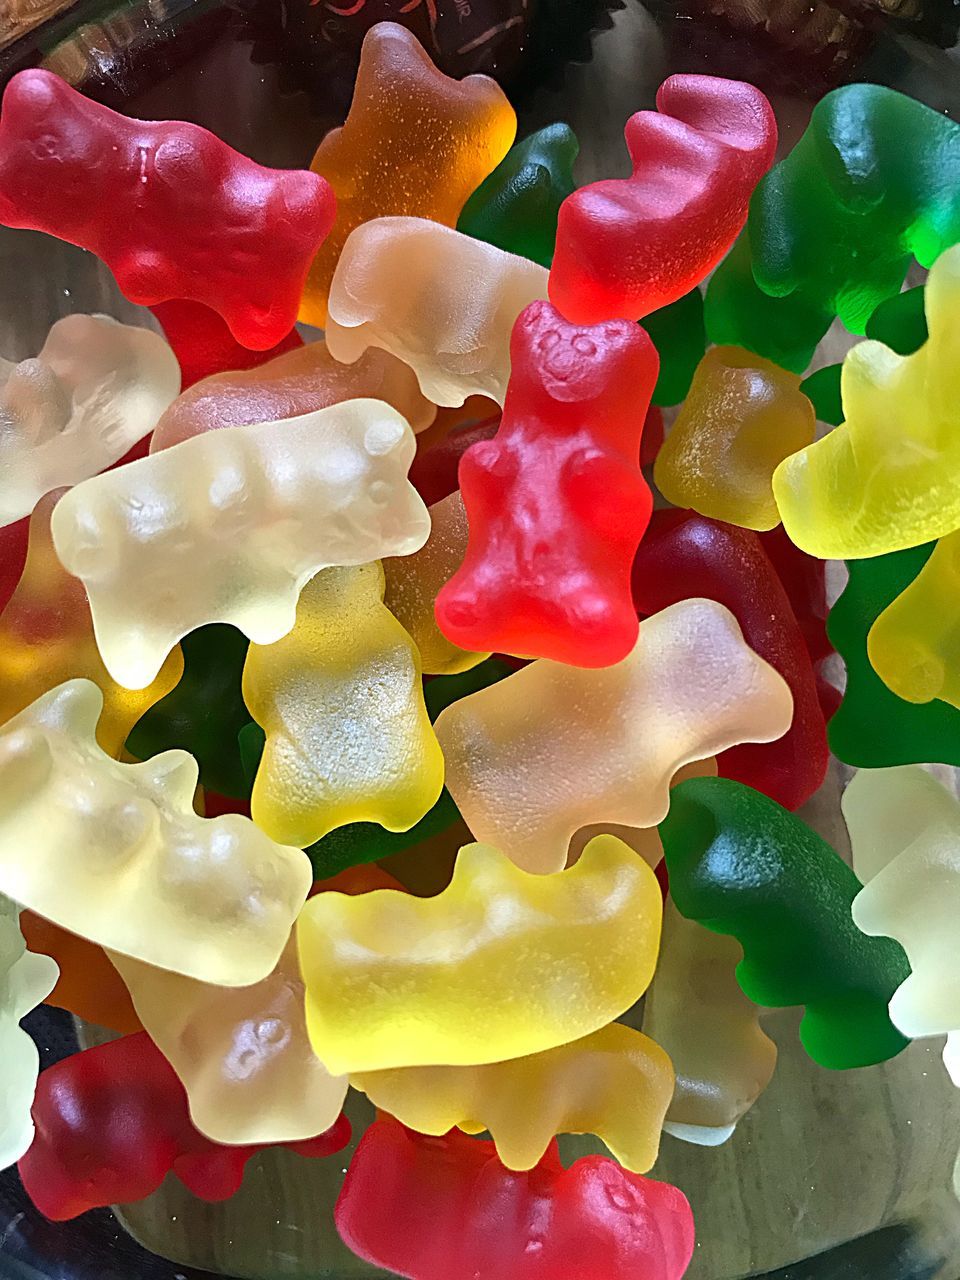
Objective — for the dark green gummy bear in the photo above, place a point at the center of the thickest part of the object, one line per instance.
(738, 313)
(360, 842)
(204, 712)
(741, 864)
(873, 183)
(900, 322)
(873, 728)
(679, 335)
(516, 207)
(822, 389)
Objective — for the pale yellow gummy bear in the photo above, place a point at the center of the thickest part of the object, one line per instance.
(228, 526)
(889, 477)
(914, 645)
(46, 637)
(615, 1083)
(242, 1053)
(532, 759)
(413, 583)
(341, 700)
(886, 809)
(697, 1012)
(25, 980)
(115, 853)
(915, 899)
(437, 299)
(499, 965)
(95, 389)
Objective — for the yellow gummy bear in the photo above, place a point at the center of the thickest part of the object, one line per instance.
(25, 980)
(615, 1083)
(553, 748)
(413, 582)
(229, 525)
(115, 853)
(341, 701)
(742, 416)
(499, 965)
(242, 1053)
(414, 142)
(697, 1012)
(440, 301)
(889, 477)
(46, 637)
(914, 645)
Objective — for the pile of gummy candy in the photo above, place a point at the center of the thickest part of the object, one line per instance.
(362, 727)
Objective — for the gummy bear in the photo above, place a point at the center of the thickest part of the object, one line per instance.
(46, 637)
(740, 864)
(516, 207)
(241, 1053)
(605, 744)
(677, 331)
(899, 322)
(415, 142)
(301, 381)
(887, 478)
(556, 502)
(822, 389)
(204, 713)
(913, 898)
(885, 810)
(500, 964)
(447, 1209)
(88, 986)
(172, 211)
(25, 980)
(93, 391)
(684, 554)
(341, 701)
(112, 1122)
(436, 299)
(115, 853)
(874, 180)
(414, 581)
(13, 557)
(615, 1083)
(626, 247)
(435, 470)
(741, 418)
(738, 313)
(228, 526)
(913, 645)
(697, 1012)
(873, 727)
(204, 345)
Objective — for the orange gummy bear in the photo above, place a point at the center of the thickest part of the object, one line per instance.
(89, 986)
(416, 143)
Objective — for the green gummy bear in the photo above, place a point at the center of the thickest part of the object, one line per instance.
(516, 207)
(900, 322)
(360, 842)
(738, 313)
(873, 182)
(822, 389)
(741, 864)
(872, 727)
(204, 712)
(678, 333)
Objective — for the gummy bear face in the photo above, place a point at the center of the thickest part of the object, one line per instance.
(573, 364)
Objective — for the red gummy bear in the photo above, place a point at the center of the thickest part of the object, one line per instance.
(173, 211)
(556, 502)
(447, 1209)
(628, 246)
(204, 345)
(685, 554)
(113, 1121)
